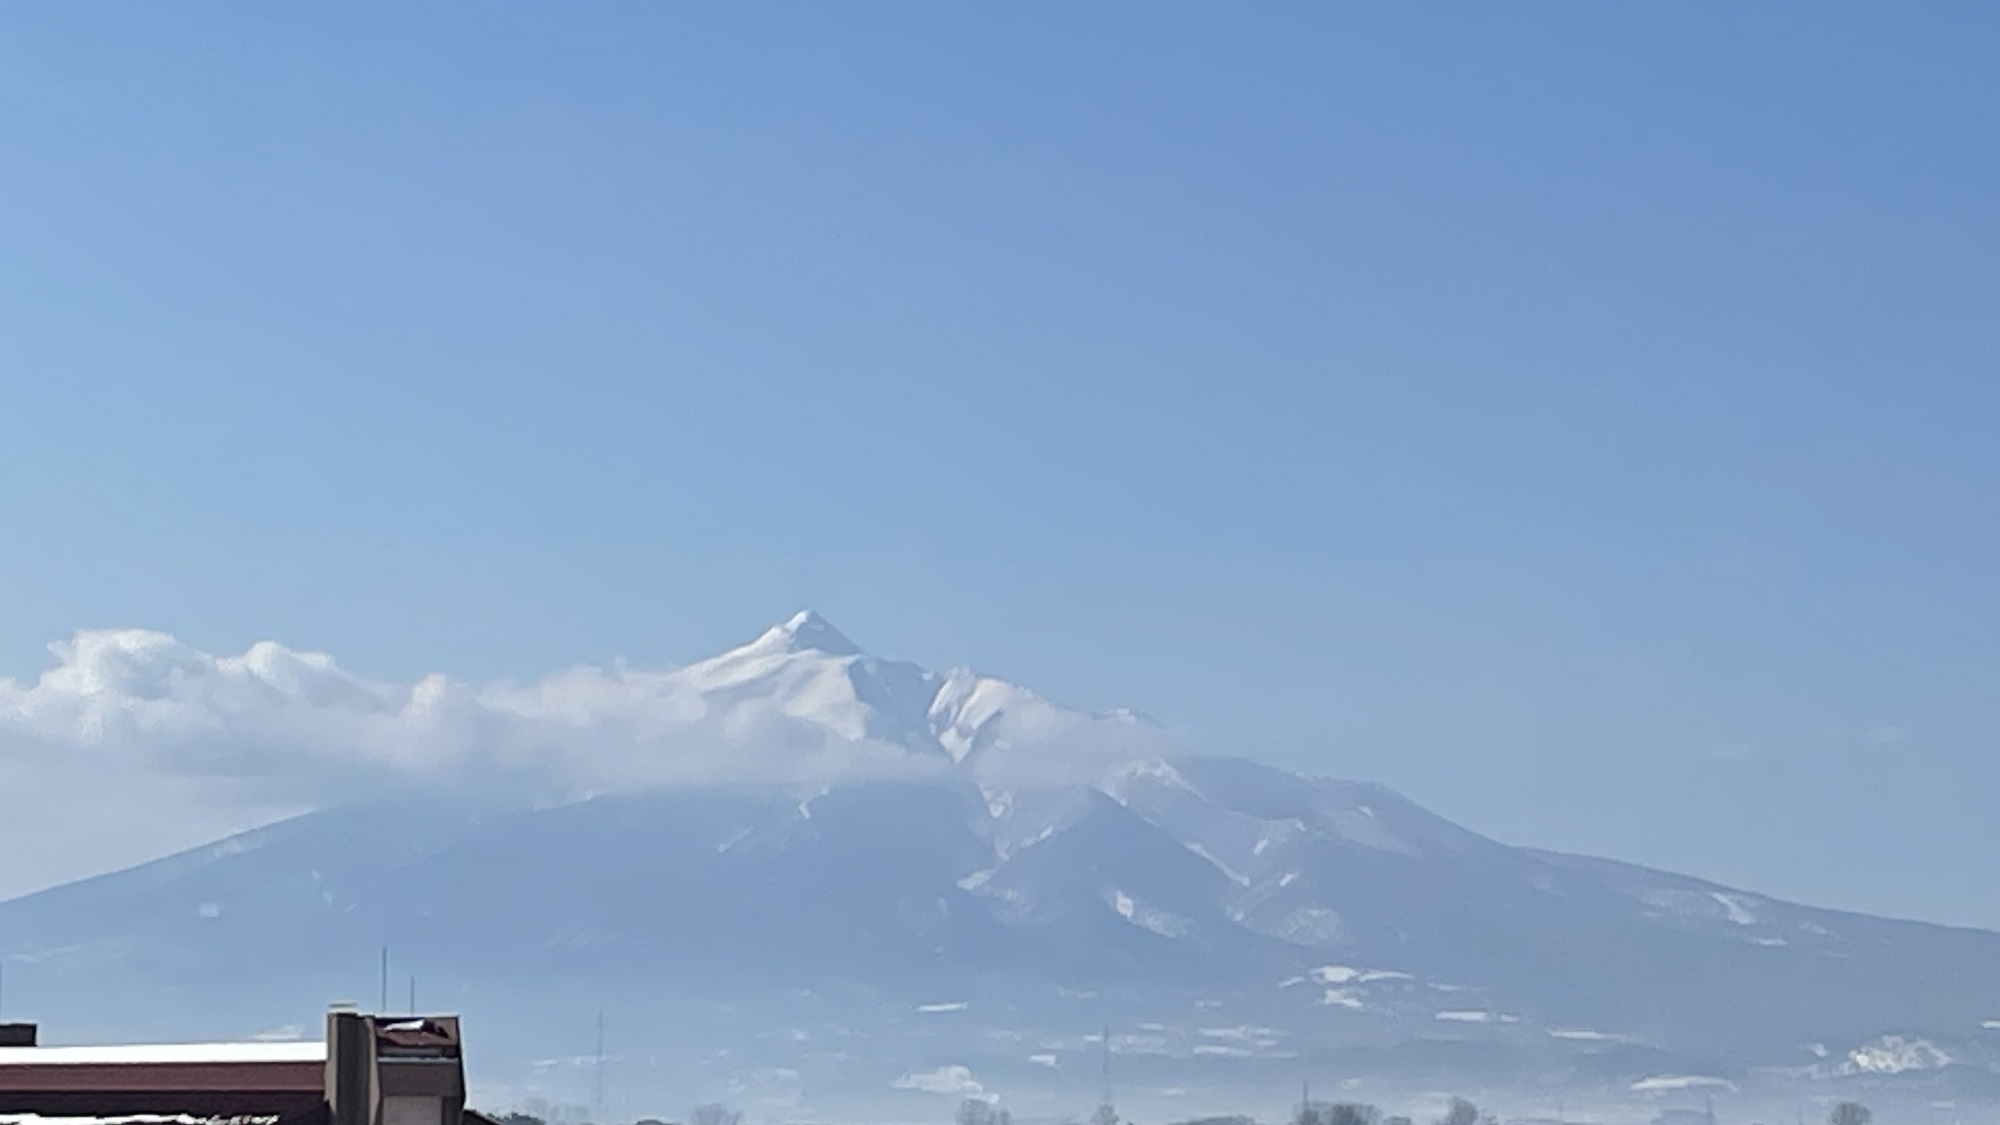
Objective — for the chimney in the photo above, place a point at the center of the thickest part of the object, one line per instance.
(17, 1034)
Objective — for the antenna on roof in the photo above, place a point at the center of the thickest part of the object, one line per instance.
(413, 995)
(384, 1006)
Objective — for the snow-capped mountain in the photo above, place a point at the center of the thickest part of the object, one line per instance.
(809, 671)
(1017, 864)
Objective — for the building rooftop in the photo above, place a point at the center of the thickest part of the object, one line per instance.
(134, 1119)
(164, 1053)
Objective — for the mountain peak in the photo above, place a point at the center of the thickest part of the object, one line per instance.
(807, 631)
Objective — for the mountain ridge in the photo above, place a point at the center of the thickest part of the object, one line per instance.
(1019, 855)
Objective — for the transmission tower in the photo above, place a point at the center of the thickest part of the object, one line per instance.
(1106, 1113)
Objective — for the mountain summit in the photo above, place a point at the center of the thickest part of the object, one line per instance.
(807, 631)
(962, 845)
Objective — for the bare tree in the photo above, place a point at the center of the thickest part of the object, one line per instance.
(977, 1111)
(1351, 1113)
(1850, 1113)
(716, 1114)
(1462, 1112)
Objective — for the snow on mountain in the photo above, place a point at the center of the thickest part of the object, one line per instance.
(797, 818)
(799, 705)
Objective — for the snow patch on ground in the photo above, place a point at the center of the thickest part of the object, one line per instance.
(168, 1053)
(953, 1081)
(1736, 907)
(1312, 925)
(1335, 977)
(1246, 1033)
(1895, 1054)
(1278, 834)
(1235, 876)
(1158, 921)
(1663, 1083)
(1152, 771)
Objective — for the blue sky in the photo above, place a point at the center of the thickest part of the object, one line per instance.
(1580, 418)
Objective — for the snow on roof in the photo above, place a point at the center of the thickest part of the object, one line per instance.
(163, 1053)
(137, 1119)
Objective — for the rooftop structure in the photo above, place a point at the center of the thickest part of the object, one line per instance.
(370, 1070)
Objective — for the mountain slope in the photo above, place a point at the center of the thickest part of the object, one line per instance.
(1022, 857)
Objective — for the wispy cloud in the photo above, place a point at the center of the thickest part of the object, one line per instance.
(295, 726)
(133, 743)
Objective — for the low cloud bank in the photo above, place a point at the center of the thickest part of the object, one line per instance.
(134, 743)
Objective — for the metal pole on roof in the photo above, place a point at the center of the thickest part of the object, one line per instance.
(384, 1007)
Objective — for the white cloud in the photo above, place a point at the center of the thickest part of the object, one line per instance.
(1017, 739)
(296, 723)
(133, 744)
